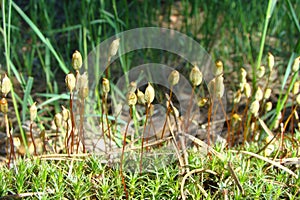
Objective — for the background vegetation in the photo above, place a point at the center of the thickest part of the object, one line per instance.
(41, 37)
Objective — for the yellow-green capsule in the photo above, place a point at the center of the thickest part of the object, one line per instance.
(271, 61)
(58, 120)
(261, 71)
(268, 106)
(105, 85)
(113, 49)
(149, 94)
(33, 112)
(216, 87)
(3, 105)
(65, 114)
(202, 102)
(296, 88)
(236, 117)
(173, 78)
(254, 108)
(298, 99)
(84, 92)
(267, 93)
(131, 99)
(196, 76)
(70, 81)
(237, 97)
(218, 68)
(296, 64)
(296, 115)
(82, 85)
(76, 60)
(259, 94)
(247, 90)
(6, 85)
(132, 86)
(243, 73)
(140, 97)
(175, 111)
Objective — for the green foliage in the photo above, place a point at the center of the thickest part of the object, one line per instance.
(87, 178)
(39, 37)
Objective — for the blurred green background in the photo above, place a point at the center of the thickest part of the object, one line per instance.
(45, 33)
(229, 30)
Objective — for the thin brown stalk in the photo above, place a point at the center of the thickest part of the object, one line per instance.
(102, 125)
(66, 138)
(283, 130)
(43, 136)
(214, 114)
(107, 122)
(266, 145)
(11, 141)
(175, 118)
(104, 112)
(263, 101)
(167, 113)
(32, 140)
(235, 178)
(154, 130)
(142, 145)
(81, 131)
(246, 118)
(281, 144)
(232, 132)
(182, 161)
(56, 137)
(208, 121)
(122, 154)
(292, 117)
(226, 118)
(189, 110)
(72, 134)
(246, 127)
(147, 136)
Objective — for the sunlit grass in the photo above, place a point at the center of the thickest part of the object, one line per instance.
(39, 39)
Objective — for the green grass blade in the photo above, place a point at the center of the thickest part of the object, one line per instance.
(66, 29)
(8, 30)
(54, 97)
(109, 17)
(23, 135)
(296, 21)
(270, 9)
(6, 36)
(15, 71)
(281, 101)
(288, 71)
(42, 37)
(26, 97)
